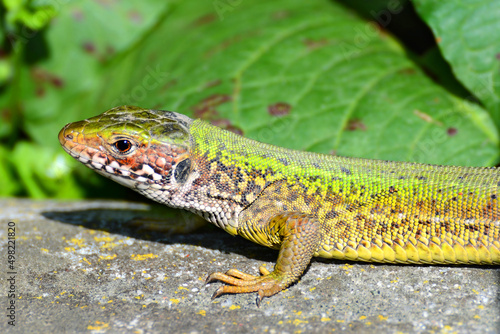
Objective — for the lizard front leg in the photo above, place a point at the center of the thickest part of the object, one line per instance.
(297, 235)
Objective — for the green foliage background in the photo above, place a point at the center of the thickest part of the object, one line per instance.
(360, 78)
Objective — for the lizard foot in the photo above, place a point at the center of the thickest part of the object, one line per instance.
(299, 237)
(239, 282)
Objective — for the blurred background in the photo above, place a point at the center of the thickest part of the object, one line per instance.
(399, 80)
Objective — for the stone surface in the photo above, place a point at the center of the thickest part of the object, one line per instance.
(100, 266)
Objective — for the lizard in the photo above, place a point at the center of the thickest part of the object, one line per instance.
(303, 204)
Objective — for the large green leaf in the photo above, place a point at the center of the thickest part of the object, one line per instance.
(304, 75)
(467, 34)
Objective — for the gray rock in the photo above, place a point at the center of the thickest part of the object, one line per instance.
(98, 266)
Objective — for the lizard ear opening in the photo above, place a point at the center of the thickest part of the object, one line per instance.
(181, 172)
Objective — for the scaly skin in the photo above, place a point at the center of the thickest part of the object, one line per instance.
(303, 204)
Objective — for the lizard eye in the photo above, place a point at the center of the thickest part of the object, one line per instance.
(123, 145)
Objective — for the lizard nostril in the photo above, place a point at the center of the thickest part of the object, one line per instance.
(65, 135)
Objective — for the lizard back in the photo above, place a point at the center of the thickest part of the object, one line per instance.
(369, 210)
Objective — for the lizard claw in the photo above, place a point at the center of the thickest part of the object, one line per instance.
(259, 298)
(209, 279)
(217, 293)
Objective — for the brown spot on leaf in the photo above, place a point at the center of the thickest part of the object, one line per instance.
(497, 56)
(206, 109)
(89, 47)
(216, 100)
(169, 84)
(77, 15)
(110, 50)
(206, 113)
(135, 16)
(407, 70)
(451, 131)
(205, 19)
(42, 77)
(230, 41)
(280, 15)
(56, 81)
(213, 83)
(438, 40)
(355, 124)
(279, 109)
(313, 44)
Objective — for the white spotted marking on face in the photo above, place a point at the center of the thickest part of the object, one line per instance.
(141, 179)
(155, 186)
(147, 169)
(82, 159)
(97, 165)
(114, 164)
(99, 159)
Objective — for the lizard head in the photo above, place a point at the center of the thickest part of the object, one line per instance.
(146, 150)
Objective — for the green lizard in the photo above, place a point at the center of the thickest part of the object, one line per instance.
(303, 204)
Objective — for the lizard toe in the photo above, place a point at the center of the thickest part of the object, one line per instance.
(239, 282)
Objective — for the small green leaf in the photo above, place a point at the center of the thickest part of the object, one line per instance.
(43, 172)
(8, 182)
